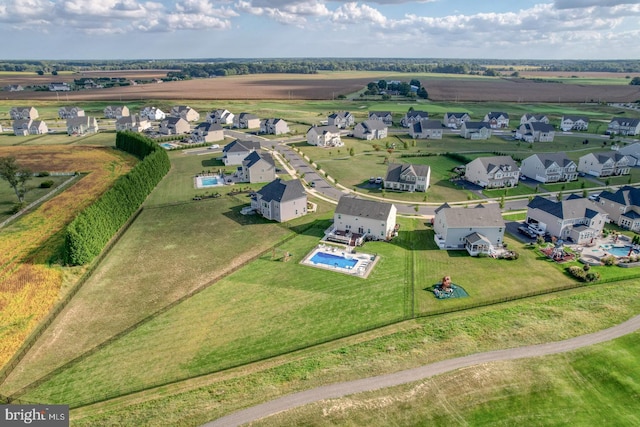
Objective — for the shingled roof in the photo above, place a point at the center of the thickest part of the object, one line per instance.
(363, 208)
(282, 191)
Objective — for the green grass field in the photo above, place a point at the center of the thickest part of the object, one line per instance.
(8, 197)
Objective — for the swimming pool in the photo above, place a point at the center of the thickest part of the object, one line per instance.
(332, 260)
(209, 181)
(618, 251)
(166, 145)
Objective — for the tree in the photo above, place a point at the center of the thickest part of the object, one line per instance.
(352, 152)
(382, 84)
(15, 175)
(635, 81)
(422, 93)
(415, 82)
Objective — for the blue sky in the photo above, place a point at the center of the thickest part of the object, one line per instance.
(156, 29)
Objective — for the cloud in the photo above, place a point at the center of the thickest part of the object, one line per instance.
(580, 4)
(354, 13)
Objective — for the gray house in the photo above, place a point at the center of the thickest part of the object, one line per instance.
(622, 206)
(81, 125)
(549, 167)
(220, 117)
(69, 111)
(478, 230)
(576, 219)
(257, 167)
(246, 121)
(493, 172)
(536, 132)
(274, 126)
(624, 126)
(134, 123)
(475, 130)
(383, 116)
(604, 164)
(207, 132)
(341, 119)
(236, 151)
(370, 129)
(174, 126)
(455, 120)
(116, 111)
(407, 177)
(497, 119)
(412, 117)
(21, 113)
(534, 118)
(568, 123)
(426, 129)
(281, 200)
(355, 220)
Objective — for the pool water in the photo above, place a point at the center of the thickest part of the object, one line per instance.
(619, 251)
(166, 146)
(332, 260)
(209, 181)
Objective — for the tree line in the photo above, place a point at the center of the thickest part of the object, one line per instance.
(88, 234)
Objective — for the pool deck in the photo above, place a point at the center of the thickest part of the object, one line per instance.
(197, 181)
(364, 265)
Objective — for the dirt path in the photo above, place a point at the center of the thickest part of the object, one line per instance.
(338, 390)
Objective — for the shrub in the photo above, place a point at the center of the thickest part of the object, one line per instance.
(608, 260)
(44, 173)
(46, 184)
(586, 267)
(592, 276)
(17, 207)
(577, 272)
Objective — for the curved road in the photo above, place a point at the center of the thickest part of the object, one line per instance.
(338, 390)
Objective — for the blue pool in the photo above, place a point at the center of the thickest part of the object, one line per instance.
(166, 146)
(209, 181)
(332, 260)
(618, 251)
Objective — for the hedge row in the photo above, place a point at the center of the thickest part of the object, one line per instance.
(88, 234)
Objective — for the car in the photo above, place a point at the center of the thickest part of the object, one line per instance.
(594, 197)
(523, 178)
(527, 232)
(581, 174)
(372, 180)
(213, 147)
(312, 183)
(378, 180)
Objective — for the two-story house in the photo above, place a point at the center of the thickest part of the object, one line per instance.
(274, 126)
(116, 111)
(632, 151)
(153, 113)
(281, 200)
(407, 177)
(455, 120)
(475, 130)
(246, 121)
(622, 206)
(356, 220)
(569, 123)
(412, 117)
(82, 125)
(549, 167)
(536, 132)
(623, 126)
(493, 172)
(604, 164)
(383, 116)
(133, 123)
(174, 126)
(426, 129)
(534, 118)
(478, 229)
(21, 127)
(70, 111)
(220, 117)
(236, 151)
(576, 219)
(370, 130)
(497, 119)
(324, 136)
(207, 132)
(341, 119)
(185, 112)
(21, 113)
(257, 167)
(59, 87)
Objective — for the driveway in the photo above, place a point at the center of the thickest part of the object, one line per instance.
(335, 391)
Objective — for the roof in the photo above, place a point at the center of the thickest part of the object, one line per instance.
(482, 215)
(239, 146)
(320, 130)
(426, 124)
(373, 125)
(247, 116)
(571, 208)
(209, 127)
(496, 115)
(363, 208)
(457, 115)
(395, 171)
(254, 157)
(604, 156)
(627, 196)
(379, 113)
(539, 127)
(625, 121)
(492, 163)
(475, 125)
(340, 114)
(559, 158)
(575, 118)
(282, 191)
(417, 113)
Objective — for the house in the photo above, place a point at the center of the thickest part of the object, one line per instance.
(536, 132)
(59, 87)
(493, 172)
(236, 151)
(21, 127)
(632, 152)
(174, 126)
(274, 126)
(38, 127)
(220, 117)
(412, 117)
(576, 219)
(455, 120)
(257, 167)
(153, 113)
(604, 164)
(116, 111)
(623, 126)
(17, 113)
(475, 130)
(246, 121)
(384, 116)
(281, 200)
(534, 118)
(133, 123)
(356, 220)
(497, 119)
(207, 132)
(70, 111)
(426, 129)
(341, 119)
(370, 129)
(324, 136)
(407, 177)
(81, 125)
(568, 123)
(478, 229)
(13, 88)
(185, 112)
(549, 167)
(622, 206)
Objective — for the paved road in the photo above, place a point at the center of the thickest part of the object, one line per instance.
(338, 390)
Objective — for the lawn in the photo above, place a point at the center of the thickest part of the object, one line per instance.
(8, 197)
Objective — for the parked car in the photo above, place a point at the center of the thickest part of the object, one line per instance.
(214, 147)
(378, 180)
(594, 197)
(527, 232)
(372, 180)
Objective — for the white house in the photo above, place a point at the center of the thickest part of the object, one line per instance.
(497, 119)
(257, 167)
(407, 177)
(221, 117)
(493, 172)
(236, 151)
(356, 220)
(534, 118)
(116, 111)
(412, 117)
(134, 123)
(70, 111)
(622, 206)
(384, 116)
(21, 113)
(604, 164)
(454, 120)
(207, 132)
(426, 129)
(81, 125)
(341, 119)
(549, 167)
(478, 229)
(174, 126)
(153, 113)
(185, 112)
(370, 129)
(536, 132)
(624, 126)
(246, 121)
(324, 136)
(281, 200)
(568, 123)
(475, 130)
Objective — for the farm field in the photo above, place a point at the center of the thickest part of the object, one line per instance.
(31, 281)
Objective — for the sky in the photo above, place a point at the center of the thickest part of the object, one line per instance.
(161, 29)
